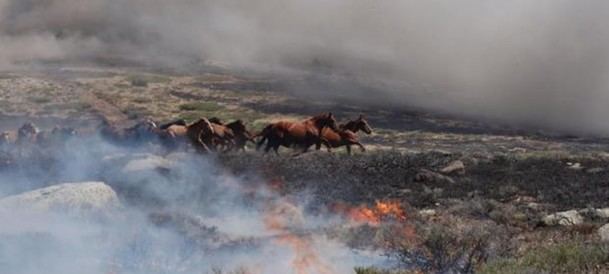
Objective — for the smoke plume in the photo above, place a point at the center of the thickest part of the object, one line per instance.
(180, 213)
(539, 63)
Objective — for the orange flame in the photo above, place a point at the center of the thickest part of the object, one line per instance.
(280, 218)
(382, 212)
(373, 216)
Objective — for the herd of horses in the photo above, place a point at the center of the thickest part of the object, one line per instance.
(212, 135)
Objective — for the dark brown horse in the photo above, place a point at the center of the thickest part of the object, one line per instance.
(302, 134)
(346, 135)
(145, 130)
(197, 134)
(241, 134)
(27, 133)
(356, 125)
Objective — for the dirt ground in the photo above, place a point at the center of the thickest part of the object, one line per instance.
(511, 177)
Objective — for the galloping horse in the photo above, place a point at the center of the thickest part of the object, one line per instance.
(223, 135)
(179, 122)
(241, 134)
(303, 134)
(346, 135)
(197, 133)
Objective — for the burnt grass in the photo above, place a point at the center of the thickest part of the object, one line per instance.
(365, 178)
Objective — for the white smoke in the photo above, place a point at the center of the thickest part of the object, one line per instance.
(180, 214)
(541, 63)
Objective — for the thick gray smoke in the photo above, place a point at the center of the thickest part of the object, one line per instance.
(180, 214)
(541, 63)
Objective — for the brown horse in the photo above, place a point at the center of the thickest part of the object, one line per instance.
(145, 130)
(356, 125)
(180, 122)
(241, 134)
(346, 135)
(223, 136)
(302, 134)
(197, 134)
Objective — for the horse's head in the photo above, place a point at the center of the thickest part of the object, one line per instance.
(204, 126)
(326, 120)
(237, 127)
(362, 124)
(215, 120)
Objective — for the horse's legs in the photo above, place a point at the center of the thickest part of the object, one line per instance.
(261, 142)
(328, 145)
(276, 148)
(360, 146)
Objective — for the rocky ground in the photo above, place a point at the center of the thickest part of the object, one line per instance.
(520, 200)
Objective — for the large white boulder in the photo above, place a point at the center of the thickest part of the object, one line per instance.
(71, 197)
(564, 218)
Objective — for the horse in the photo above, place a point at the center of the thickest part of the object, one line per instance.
(198, 134)
(303, 134)
(180, 122)
(145, 130)
(223, 135)
(356, 125)
(346, 135)
(27, 133)
(241, 134)
(55, 136)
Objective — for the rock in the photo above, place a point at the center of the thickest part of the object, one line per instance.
(603, 232)
(595, 170)
(602, 213)
(71, 197)
(426, 175)
(564, 218)
(425, 213)
(575, 166)
(456, 167)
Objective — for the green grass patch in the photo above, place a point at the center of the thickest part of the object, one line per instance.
(39, 99)
(201, 106)
(571, 257)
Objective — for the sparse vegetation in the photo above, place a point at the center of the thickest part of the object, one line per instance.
(144, 80)
(201, 106)
(569, 257)
(373, 270)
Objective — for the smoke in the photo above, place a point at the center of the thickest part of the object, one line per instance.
(532, 63)
(180, 213)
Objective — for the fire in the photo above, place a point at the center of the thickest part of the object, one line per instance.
(375, 215)
(281, 218)
(388, 214)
